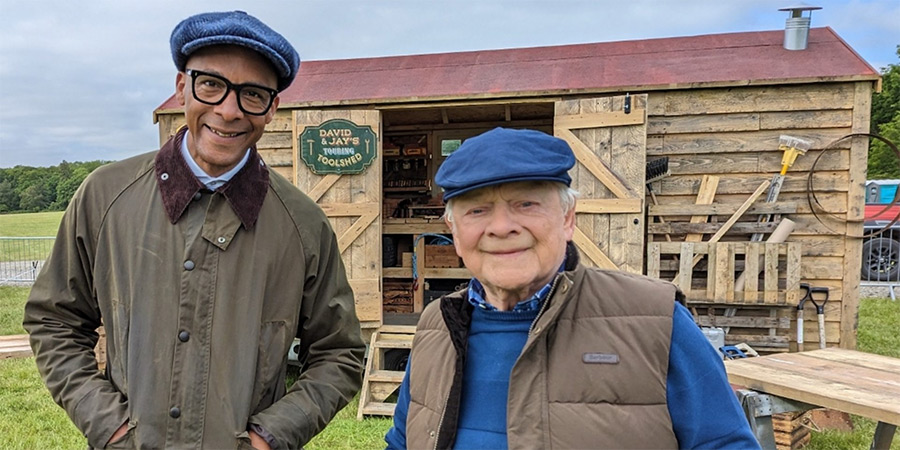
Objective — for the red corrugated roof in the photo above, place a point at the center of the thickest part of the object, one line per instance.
(708, 60)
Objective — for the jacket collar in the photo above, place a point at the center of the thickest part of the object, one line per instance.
(245, 191)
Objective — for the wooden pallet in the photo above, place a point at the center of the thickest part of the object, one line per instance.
(779, 265)
(378, 383)
(747, 288)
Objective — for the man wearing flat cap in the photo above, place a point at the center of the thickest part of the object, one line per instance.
(540, 351)
(204, 266)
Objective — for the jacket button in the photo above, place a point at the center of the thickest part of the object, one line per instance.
(197, 195)
(175, 412)
(188, 265)
(220, 240)
(431, 434)
(184, 336)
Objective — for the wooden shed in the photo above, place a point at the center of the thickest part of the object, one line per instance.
(715, 105)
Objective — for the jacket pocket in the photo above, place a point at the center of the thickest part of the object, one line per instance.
(126, 441)
(243, 442)
(270, 364)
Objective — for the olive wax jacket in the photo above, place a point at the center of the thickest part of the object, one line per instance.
(201, 294)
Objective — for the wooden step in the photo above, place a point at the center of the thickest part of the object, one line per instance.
(394, 343)
(389, 376)
(379, 409)
(404, 329)
(15, 346)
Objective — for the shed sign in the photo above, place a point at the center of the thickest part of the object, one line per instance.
(338, 146)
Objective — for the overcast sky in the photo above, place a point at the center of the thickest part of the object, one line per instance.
(79, 80)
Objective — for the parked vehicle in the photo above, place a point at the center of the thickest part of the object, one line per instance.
(881, 253)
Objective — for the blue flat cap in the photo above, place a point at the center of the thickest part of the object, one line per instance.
(235, 28)
(504, 155)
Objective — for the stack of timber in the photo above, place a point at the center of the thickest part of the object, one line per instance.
(398, 296)
(791, 430)
(378, 383)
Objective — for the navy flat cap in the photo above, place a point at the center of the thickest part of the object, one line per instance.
(235, 28)
(504, 155)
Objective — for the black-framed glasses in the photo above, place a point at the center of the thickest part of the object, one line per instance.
(212, 89)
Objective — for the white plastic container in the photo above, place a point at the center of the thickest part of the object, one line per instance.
(716, 338)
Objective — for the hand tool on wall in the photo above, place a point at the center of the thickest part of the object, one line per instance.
(820, 310)
(728, 223)
(657, 170)
(805, 287)
(792, 148)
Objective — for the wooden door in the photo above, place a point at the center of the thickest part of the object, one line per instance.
(610, 152)
(353, 205)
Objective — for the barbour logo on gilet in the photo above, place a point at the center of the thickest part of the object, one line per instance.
(600, 358)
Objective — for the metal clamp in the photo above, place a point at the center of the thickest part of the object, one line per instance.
(759, 407)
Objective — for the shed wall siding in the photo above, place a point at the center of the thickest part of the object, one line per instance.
(734, 133)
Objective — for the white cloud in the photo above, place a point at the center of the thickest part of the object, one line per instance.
(79, 80)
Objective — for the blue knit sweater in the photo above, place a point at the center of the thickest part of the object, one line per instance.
(496, 339)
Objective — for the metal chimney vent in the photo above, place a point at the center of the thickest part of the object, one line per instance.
(796, 27)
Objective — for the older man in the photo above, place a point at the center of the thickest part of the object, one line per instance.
(540, 351)
(203, 265)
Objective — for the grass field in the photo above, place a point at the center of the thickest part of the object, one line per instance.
(30, 225)
(12, 306)
(27, 226)
(30, 419)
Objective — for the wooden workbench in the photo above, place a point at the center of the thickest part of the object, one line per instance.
(845, 380)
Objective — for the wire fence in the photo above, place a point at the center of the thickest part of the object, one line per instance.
(21, 258)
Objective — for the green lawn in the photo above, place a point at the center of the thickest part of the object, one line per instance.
(30, 225)
(29, 418)
(12, 306)
(27, 226)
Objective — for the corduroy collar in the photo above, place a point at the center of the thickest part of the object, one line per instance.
(245, 191)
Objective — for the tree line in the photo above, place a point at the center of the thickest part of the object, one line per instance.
(37, 189)
(885, 121)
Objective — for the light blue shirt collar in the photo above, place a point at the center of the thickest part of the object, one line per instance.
(211, 183)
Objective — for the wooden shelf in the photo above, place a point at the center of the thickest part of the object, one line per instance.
(407, 189)
(447, 273)
(406, 272)
(414, 226)
(396, 272)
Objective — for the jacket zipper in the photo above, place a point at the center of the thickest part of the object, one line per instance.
(437, 434)
(545, 303)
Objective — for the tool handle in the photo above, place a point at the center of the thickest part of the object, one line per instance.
(821, 331)
(800, 330)
(805, 288)
(820, 305)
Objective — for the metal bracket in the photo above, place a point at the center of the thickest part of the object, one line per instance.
(759, 407)
(627, 103)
